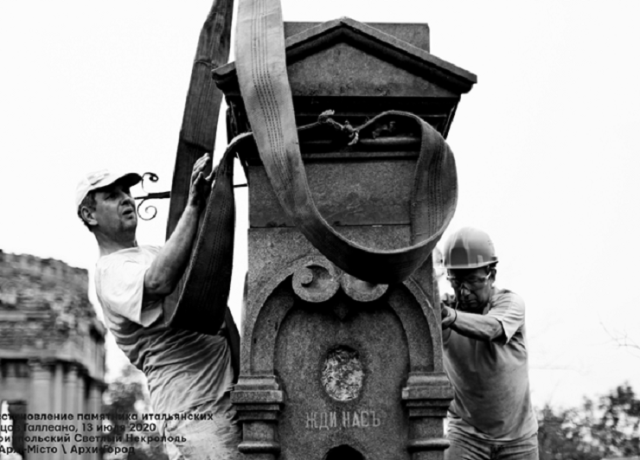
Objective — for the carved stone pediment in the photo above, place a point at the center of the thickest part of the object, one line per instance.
(359, 70)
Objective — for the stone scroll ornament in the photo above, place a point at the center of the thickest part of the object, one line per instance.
(265, 89)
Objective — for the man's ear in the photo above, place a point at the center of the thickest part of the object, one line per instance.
(88, 216)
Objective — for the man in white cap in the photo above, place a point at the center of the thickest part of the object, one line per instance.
(485, 351)
(187, 372)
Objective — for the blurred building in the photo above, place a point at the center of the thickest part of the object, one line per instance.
(52, 354)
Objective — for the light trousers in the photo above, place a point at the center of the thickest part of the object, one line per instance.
(465, 447)
(214, 438)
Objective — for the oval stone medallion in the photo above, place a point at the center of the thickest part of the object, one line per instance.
(342, 374)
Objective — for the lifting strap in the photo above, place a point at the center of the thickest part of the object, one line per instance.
(199, 301)
(264, 85)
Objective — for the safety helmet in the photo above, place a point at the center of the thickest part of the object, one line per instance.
(469, 248)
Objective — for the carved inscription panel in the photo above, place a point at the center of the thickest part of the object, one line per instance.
(342, 365)
(342, 420)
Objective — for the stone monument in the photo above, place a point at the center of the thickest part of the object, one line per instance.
(333, 367)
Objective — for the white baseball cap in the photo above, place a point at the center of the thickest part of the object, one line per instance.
(103, 178)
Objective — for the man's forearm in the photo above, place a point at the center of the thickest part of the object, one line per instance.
(165, 272)
(478, 327)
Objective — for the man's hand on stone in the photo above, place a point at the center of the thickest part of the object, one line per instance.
(200, 184)
(448, 299)
(447, 315)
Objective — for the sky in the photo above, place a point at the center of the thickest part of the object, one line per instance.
(546, 146)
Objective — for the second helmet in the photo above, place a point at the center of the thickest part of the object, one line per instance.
(469, 248)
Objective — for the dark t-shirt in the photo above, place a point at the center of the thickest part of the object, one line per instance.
(491, 379)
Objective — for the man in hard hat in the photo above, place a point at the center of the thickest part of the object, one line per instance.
(485, 351)
(189, 374)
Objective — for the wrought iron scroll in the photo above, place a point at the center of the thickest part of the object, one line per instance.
(150, 212)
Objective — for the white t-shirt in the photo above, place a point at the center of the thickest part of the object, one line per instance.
(491, 379)
(184, 369)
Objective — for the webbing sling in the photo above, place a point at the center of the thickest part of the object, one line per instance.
(264, 85)
(204, 287)
(202, 108)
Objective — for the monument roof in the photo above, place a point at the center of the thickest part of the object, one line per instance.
(373, 40)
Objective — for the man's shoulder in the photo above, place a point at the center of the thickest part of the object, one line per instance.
(506, 304)
(505, 296)
(129, 254)
(119, 282)
(115, 260)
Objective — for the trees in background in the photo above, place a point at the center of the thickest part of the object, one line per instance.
(608, 427)
(126, 395)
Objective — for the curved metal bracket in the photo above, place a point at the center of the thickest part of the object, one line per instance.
(151, 211)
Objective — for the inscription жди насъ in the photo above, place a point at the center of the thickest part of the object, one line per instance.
(342, 419)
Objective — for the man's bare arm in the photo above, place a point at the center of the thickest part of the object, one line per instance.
(164, 274)
(474, 326)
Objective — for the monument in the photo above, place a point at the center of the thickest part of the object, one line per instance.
(334, 367)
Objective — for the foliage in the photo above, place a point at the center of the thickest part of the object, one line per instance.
(606, 428)
(561, 437)
(125, 396)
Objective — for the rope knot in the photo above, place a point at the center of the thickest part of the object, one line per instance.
(350, 131)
